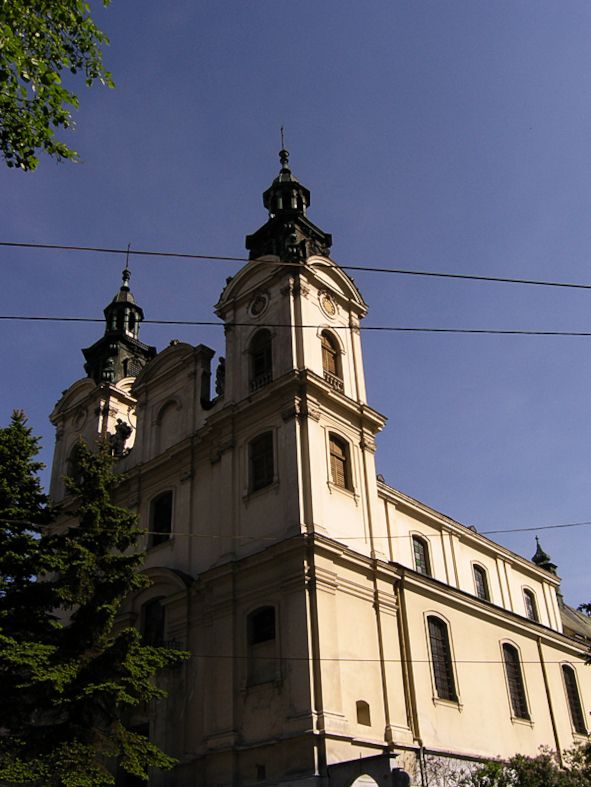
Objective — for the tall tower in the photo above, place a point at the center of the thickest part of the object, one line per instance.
(294, 361)
(100, 406)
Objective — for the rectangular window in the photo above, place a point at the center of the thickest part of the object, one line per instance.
(262, 657)
(339, 463)
(441, 658)
(261, 461)
(515, 682)
(421, 555)
(573, 699)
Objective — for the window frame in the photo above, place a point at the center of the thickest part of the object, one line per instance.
(332, 364)
(339, 462)
(262, 668)
(515, 681)
(149, 604)
(530, 604)
(261, 479)
(483, 592)
(418, 539)
(260, 359)
(155, 536)
(441, 659)
(573, 699)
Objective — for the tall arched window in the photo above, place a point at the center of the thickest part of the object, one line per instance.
(515, 682)
(160, 519)
(420, 550)
(481, 583)
(261, 461)
(262, 663)
(331, 361)
(340, 464)
(573, 699)
(261, 359)
(443, 674)
(531, 608)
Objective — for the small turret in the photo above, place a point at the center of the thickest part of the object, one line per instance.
(542, 559)
(288, 234)
(119, 353)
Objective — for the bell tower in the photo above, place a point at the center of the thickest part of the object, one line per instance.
(294, 361)
(101, 406)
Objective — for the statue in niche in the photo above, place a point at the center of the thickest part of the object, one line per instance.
(220, 377)
(117, 441)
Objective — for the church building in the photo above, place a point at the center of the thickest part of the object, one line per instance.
(341, 632)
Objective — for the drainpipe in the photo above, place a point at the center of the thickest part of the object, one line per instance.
(549, 698)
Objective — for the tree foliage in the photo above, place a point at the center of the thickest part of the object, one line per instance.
(68, 680)
(541, 771)
(40, 43)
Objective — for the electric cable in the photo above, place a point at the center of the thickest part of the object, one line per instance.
(358, 268)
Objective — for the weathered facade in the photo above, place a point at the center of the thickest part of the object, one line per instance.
(341, 632)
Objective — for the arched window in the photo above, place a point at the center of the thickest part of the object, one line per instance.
(331, 361)
(260, 455)
(153, 622)
(262, 663)
(441, 659)
(261, 359)
(363, 713)
(573, 699)
(160, 519)
(531, 608)
(515, 682)
(420, 550)
(340, 464)
(481, 583)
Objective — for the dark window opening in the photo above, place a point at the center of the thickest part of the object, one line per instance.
(262, 664)
(153, 622)
(531, 608)
(421, 555)
(331, 361)
(363, 713)
(574, 700)
(515, 682)
(261, 461)
(261, 360)
(481, 583)
(160, 519)
(441, 658)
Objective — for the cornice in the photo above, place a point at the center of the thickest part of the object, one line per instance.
(464, 532)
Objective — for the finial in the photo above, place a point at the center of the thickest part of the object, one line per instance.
(126, 272)
(283, 154)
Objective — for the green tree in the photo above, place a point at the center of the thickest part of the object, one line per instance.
(40, 42)
(66, 685)
(540, 771)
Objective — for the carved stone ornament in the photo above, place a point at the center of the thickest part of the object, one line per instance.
(259, 304)
(327, 304)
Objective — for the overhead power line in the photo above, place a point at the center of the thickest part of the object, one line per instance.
(314, 326)
(358, 268)
(274, 539)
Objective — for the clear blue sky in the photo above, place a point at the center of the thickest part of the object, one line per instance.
(446, 135)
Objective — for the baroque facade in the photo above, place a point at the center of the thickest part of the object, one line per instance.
(340, 631)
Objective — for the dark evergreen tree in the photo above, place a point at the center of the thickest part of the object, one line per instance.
(69, 681)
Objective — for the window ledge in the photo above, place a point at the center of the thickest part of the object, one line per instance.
(522, 722)
(249, 494)
(343, 490)
(448, 703)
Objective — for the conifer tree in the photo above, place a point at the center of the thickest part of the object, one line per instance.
(72, 679)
